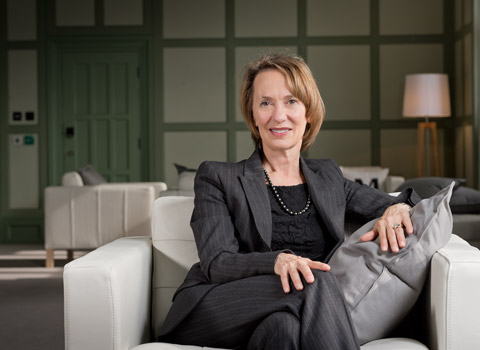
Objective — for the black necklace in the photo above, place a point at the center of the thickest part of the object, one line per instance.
(277, 196)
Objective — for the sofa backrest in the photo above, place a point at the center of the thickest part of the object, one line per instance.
(174, 251)
(88, 217)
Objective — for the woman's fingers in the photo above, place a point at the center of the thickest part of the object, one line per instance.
(318, 265)
(304, 268)
(392, 238)
(382, 236)
(391, 228)
(400, 233)
(291, 268)
(369, 236)
(285, 281)
(295, 277)
(407, 223)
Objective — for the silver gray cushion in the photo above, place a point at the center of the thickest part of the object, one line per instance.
(91, 176)
(381, 287)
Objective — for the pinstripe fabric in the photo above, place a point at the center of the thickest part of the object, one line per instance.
(232, 225)
(254, 313)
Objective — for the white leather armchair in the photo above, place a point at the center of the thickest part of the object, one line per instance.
(87, 217)
(112, 301)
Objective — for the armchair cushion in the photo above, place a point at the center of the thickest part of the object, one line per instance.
(72, 178)
(387, 284)
(91, 176)
(186, 177)
(369, 175)
(465, 201)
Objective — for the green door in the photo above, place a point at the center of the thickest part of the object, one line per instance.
(100, 113)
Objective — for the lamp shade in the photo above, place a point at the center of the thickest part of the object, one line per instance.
(426, 95)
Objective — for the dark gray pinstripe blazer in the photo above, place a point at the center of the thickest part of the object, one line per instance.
(232, 221)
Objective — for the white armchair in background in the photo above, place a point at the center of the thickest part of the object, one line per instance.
(73, 179)
(87, 217)
(112, 301)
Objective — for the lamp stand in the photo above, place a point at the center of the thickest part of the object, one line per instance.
(422, 127)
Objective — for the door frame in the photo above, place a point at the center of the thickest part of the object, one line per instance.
(56, 49)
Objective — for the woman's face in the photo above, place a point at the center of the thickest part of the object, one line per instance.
(279, 116)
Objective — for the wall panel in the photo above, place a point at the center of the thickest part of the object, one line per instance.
(338, 18)
(22, 20)
(23, 165)
(346, 147)
(342, 73)
(265, 18)
(411, 17)
(123, 12)
(204, 19)
(194, 87)
(73, 13)
(22, 87)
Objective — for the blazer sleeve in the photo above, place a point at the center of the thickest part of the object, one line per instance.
(221, 256)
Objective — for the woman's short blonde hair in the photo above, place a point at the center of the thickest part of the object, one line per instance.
(300, 82)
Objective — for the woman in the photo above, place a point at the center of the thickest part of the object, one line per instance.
(265, 227)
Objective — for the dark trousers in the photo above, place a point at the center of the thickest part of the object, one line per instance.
(255, 313)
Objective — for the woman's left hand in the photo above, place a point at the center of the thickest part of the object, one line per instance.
(391, 227)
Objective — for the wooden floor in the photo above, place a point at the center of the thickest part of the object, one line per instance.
(31, 298)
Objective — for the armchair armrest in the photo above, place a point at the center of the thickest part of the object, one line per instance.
(107, 296)
(454, 298)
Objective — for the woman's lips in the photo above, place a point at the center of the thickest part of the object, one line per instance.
(280, 131)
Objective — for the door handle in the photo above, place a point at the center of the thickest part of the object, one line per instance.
(69, 132)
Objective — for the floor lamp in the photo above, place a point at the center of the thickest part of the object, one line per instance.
(427, 96)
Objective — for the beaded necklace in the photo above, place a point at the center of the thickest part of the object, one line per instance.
(280, 201)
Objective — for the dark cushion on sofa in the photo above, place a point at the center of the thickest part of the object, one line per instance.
(428, 186)
(91, 176)
(465, 201)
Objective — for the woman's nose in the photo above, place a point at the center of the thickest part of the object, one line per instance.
(279, 113)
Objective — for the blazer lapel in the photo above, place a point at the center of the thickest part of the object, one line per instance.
(253, 183)
(322, 191)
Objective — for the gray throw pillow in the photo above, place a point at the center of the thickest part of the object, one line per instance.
(91, 176)
(381, 287)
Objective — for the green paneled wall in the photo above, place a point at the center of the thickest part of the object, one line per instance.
(359, 51)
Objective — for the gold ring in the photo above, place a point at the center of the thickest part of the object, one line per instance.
(395, 226)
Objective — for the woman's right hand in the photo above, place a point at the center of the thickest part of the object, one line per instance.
(289, 266)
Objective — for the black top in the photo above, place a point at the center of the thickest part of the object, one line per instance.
(303, 234)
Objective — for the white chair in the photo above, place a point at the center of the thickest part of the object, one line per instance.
(87, 217)
(113, 302)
